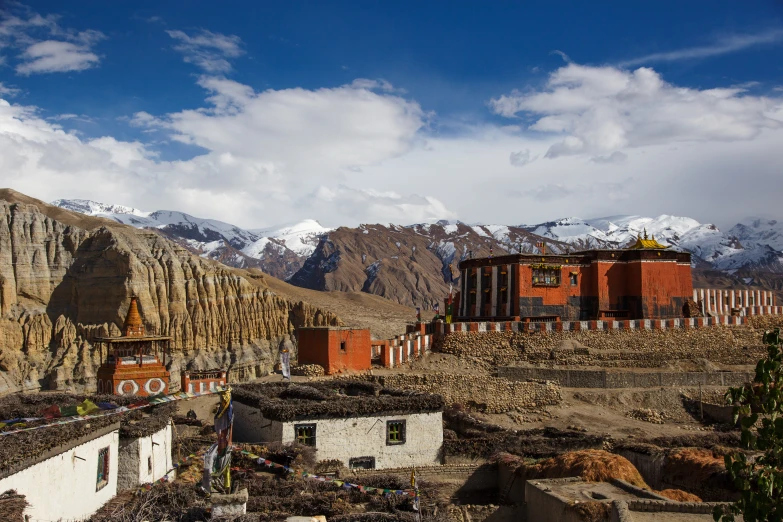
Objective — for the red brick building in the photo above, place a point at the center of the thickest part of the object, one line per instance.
(133, 363)
(335, 349)
(645, 281)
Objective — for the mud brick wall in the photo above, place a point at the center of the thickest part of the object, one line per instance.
(732, 345)
(623, 379)
(489, 394)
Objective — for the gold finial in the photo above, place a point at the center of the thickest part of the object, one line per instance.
(133, 327)
(645, 232)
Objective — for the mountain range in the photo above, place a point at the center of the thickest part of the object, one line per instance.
(413, 264)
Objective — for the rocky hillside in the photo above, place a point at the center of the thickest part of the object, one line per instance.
(410, 265)
(66, 278)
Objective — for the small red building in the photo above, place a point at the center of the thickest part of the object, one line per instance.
(645, 281)
(335, 349)
(133, 363)
(201, 381)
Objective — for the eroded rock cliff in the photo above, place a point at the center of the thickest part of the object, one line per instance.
(66, 279)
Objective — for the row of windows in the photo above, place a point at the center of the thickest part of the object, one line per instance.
(395, 433)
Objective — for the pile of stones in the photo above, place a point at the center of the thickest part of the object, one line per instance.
(647, 415)
(308, 370)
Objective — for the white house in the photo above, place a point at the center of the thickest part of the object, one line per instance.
(145, 457)
(356, 422)
(66, 475)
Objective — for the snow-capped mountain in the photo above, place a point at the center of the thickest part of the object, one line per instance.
(277, 250)
(412, 263)
(752, 244)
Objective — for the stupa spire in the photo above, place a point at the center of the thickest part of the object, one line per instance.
(133, 327)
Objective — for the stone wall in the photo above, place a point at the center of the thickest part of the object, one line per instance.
(624, 379)
(731, 345)
(488, 394)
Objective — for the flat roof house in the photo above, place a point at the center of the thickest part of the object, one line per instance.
(357, 422)
(65, 472)
(69, 471)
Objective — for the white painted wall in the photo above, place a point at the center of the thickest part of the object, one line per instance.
(135, 456)
(366, 437)
(351, 437)
(63, 487)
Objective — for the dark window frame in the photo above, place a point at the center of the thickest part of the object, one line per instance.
(574, 278)
(299, 438)
(102, 476)
(358, 460)
(343, 346)
(402, 432)
(546, 276)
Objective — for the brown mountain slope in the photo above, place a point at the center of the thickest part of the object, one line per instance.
(410, 265)
(66, 278)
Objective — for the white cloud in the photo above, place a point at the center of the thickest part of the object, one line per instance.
(352, 154)
(600, 110)
(8, 91)
(520, 158)
(53, 56)
(45, 46)
(615, 158)
(725, 45)
(207, 50)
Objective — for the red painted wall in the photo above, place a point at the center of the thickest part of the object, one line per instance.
(324, 346)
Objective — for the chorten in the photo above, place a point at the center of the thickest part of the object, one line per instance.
(133, 364)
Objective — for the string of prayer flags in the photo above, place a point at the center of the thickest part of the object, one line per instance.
(59, 415)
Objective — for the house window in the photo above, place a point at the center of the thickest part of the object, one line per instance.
(726, 300)
(739, 300)
(546, 276)
(573, 278)
(342, 346)
(149, 465)
(752, 300)
(305, 434)
(712, 300)
(361, 463)
(103, 469)
(395, 432)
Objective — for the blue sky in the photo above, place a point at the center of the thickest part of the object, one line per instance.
(507, 112)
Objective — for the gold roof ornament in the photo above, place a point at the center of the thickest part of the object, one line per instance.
(133, 325)
(645, 243)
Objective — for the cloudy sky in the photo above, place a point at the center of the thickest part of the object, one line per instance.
(404, 112)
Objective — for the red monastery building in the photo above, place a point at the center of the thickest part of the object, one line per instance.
(645, 281)
(133, 365)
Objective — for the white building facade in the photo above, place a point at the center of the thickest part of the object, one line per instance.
(379, 442)
(145, 459)
(71, 481)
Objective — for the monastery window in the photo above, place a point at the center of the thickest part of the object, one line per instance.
(149, 465)
(342, 346)
(473, 297)
(361, 463)
(103, 469)
(305, 434)
(739, 300)
(712, 300)
(395, 432)
(504, 295)
(546, 276)
(504, 278)
(573, 277)
(726, 300)
(769, 300)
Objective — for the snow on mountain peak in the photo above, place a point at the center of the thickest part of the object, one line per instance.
(94, 208)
